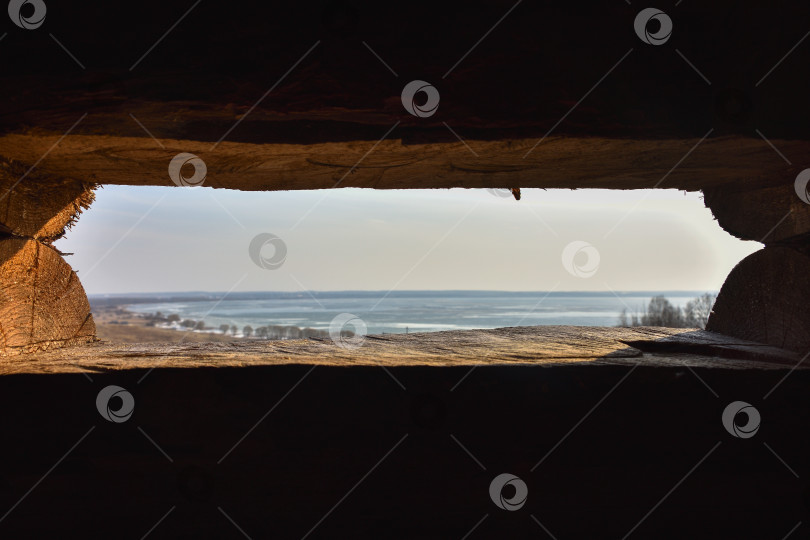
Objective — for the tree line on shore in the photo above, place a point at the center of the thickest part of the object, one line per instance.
(262, 332)
(661, 312)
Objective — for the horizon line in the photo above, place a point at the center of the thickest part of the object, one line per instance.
(315, 291)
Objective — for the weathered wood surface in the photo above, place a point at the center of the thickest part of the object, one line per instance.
(559, 162)
(538, 345)
(769, 215)
(351, 61)
(766, 298)
(277, 446)
(302, 121)
(42, 302)
(37, 205)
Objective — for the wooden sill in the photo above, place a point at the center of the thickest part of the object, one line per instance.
(537, 345)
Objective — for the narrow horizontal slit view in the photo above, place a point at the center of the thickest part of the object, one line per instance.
(396, 261)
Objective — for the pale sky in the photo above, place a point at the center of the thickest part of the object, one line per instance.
(196, 239)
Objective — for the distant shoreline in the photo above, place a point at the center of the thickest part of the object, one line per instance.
(109, 300)
(118, 324)
(223, 317)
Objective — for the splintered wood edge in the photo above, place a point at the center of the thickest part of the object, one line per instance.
(538, 346)
(560, 162)
(38, 205)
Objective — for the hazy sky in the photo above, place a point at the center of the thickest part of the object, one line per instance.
(150, 239)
